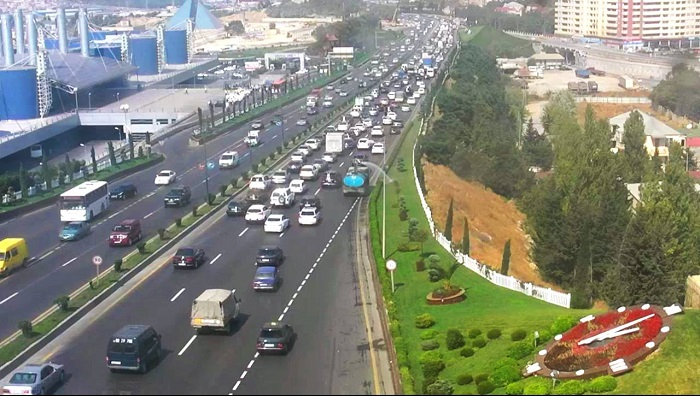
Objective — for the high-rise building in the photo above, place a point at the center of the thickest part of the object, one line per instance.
(629, 20)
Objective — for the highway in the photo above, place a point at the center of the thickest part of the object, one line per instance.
(319, 297)
(62, 267)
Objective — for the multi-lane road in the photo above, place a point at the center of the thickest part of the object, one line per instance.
(61, 267)
(320, 296)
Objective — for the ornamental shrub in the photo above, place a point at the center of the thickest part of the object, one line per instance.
(479, 342)
(464, 379)
(473, 333)
(424, 321)
(440, 387)
(429, 345)
(602, 384)
(538, 387)
(518, 335)
(520, 350)
(454, 339)
(428, 356)
(432, 368)
(467, 352)
(570, 388)
(428, 334)
(493, 334)
(562, 324)
(484, 388)
(505, 375)
(479, 378)
(407, 381)
(516, 388)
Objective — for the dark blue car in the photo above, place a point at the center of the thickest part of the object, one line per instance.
(266, 278)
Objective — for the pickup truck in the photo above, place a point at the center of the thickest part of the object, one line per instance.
(215, 309)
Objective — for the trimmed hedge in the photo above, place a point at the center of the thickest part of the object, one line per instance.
(570, 388)
(518, 335)
(407, 381)
(429, 345)
(425, 321)
(473, 333)
(520, 350)
(429, 334)
(454, 339)
(516, 388)
(464, 379)
(479, 342)
(440, 387)
(493, 334)
(484, 388)
(538, 388)
(562, 324)
(429, 356)
(602, 384)
(505, 375)
(466, 352)
(479, 378)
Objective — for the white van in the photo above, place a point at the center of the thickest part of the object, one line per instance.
(282, 197)
(229, 160)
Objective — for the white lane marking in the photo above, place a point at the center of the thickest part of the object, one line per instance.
(8, 298)
(69, 261)
(317, 191)
(282, 234)
(341, 164)
(286, 129)
(113, 215)
(187, 345)
(251, 363)
(47, 254)
(351, 153)
(243, 232)
(177, 295)
(291, 301)
(274, 137)
(214, 259)
(245, 155)
(149, 215)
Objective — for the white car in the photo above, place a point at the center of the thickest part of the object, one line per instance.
(315, 144)
(279, 177)
(378, 148)
(421, 91)
(386, 120)
(355, 112)
(308, 172)
(405, 108)
(364, 144)
(411, 100)
(276, 223)
(391, 115)
(343, 93)
(384, 101)
(259, 182)
(329, 87)
(298, 156)
(165, 177)
(416, 95)
(373, 111)
(306, 150)
(309, 216)
(375, 93)
(343, 126)
(229, 160)
(257, 214)
(327, 104)
(329, 157)
(357, 131)
(360, 126)
(367, 122)
(301, 122)
(297, 186)
(391, 95)
(377, 130)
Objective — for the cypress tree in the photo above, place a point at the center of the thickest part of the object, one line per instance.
(505, 261)
(465, 237)
(131, 148)
(448, 221)
(23, 181)
(112, 156)
(94, 160)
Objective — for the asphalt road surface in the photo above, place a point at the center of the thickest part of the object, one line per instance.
(319, 297)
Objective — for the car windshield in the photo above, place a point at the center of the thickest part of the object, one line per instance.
(72, 226)
(308, 212)
(267, 251)
(254, 210)
(185, 252)
(227, 157)
(281, 173)
(122, 228)
(23, 379)
(274, 218)
(164, 174)
(265, 275)
(271, 333)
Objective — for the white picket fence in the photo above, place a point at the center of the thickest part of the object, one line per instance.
(509, 282)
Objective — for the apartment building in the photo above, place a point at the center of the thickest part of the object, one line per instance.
(629, 20)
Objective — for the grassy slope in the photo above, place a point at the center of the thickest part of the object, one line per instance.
(501, 45)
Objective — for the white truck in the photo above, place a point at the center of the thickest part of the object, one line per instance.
(215, 310)
(252, 139)
(334, 142)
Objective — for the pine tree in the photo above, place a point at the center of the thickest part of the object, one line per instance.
(635, 154)
(211, 114)
(112, 156)
(505, 261)
(531, 134)
(131, 148)
(23, 181)
(465, 237)
(201, 120)
(94, 160)
(448, 221)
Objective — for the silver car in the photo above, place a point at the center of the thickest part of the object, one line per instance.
(35, 379)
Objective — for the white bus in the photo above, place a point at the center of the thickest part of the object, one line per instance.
(84, 202)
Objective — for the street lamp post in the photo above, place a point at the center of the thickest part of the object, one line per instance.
(90, 100)
(117, 96)
(206, 167)
(384, 204)
(87, 157)
(125, 109)
(119, 131)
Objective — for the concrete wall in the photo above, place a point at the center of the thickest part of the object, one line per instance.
(26, 140)
(620, 67)
(158, 120)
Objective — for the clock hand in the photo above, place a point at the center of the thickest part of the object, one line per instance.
(613, 330)
(620, 333)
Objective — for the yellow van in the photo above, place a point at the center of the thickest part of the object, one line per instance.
(13, 254)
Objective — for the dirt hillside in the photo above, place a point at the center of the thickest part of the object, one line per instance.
(492, 221)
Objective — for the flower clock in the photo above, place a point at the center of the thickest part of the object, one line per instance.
(608, 344)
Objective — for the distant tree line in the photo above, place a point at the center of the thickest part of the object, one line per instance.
(350, 32)
(680, 92)
(309, 8)
(530, 22)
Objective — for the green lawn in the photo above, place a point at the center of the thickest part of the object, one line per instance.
(473, 31)
(499, 44)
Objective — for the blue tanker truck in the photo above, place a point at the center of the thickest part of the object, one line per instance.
(356, 181)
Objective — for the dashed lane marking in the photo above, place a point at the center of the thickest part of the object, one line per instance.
(243, 232)
(182, 351)
(215, 258)
(149, 215)
(69, 261)
(317, 191)
(177, 295)
(9, 298)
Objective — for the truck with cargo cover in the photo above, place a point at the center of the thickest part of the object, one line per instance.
(215, 310)
(334, 142)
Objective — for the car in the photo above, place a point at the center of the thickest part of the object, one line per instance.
(329, 87)
(328, 97)
(257, 125)
(275, 337)
(123, 191)
(260, 182)
(315, 144)
(297, 186)
(377, 130)
(35, 379)
(378, 148)
(394, 131)
(416, 95)
(405, 108)
(269, 255)
(375, 93)
(327, 104)
(276, 223)
(411, 100)
(356, 112)
(359, 159)
(330, 179)
(301, 122)
(309, 216)
(309, 201)
(329, 157)
(188, 257)
(386, 121)
(308, 172)
(343, 126)
(304, 149)
(298, 156)
(280, 176)
(364, 144)
(367, 73)
(266, 278)
(282, 197)
(257, 213)
(229, 160)
(373, 111)
(74, 231)
(343, 93)
(362, 84)
(236, 208)
(133, 347)
(360, 127)
(321, 164)
(165, 177)
(178, 196)
(397, 124)
(421, 91)
(295, 165)
(367, 122)
(126, 233)
(384, 101)
(311, 111)
(392, 115)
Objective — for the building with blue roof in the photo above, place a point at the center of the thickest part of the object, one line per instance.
(196, 11)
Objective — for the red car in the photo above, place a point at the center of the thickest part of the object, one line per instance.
(125, 233)
(188, 257)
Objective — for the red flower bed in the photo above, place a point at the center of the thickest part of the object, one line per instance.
(567, 355)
